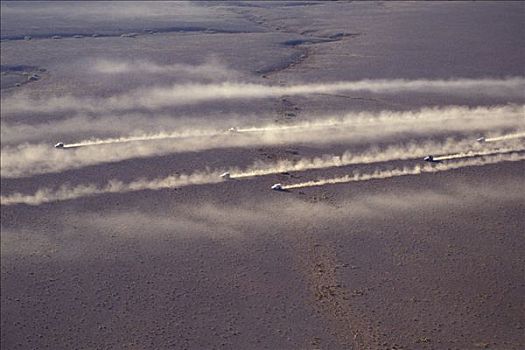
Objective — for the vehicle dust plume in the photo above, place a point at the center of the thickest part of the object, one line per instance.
(144, 124)
(183, 94)
(508, 115)
(144, 137)
(505, 137)
(66, 192)
(405, 171)
(32, 159)
(474, 154)
(411, 150)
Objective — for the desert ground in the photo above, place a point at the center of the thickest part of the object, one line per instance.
(127, 236)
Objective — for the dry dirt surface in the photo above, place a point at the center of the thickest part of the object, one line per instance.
(127, 237)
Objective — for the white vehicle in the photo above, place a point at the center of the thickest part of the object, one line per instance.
(430, 158)
(59, 145)
(226, 176)
(481, 139)
(277, 187)
(234, 129)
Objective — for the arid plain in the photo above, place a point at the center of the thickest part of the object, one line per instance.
(127, 237)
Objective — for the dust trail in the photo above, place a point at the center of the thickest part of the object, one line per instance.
(107, 125)
(411, 150)
(416, 170)
(65, 192)
(353, 120)
(144, 137)
(141, 127)
(506, 115)
(474, 154)
(161, 97)
(32, 159)
(506, 137)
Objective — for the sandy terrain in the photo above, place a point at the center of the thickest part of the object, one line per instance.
(116, 243)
